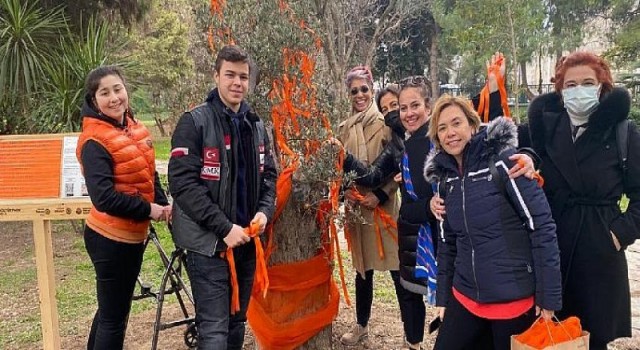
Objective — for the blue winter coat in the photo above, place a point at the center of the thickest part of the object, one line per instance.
(497, 242)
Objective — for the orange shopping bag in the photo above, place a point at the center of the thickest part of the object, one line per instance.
(548, 335)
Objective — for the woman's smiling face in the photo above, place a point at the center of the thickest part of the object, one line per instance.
(414, 111)
(361, 94)
(111, 98)
(454, 131)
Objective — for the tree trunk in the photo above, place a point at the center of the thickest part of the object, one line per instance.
(296, 238)
(514, 49)
(159, 123)
(525, 84)
(433, 63)
(540, 71)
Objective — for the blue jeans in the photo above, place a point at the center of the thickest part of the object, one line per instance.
(209, 276)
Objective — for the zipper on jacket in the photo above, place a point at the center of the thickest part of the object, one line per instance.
(473, 252)
(215, 245)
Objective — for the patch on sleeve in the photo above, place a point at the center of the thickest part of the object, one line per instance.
(211, 164)
(179, 152)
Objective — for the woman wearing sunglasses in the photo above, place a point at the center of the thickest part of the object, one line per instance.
(364, 134)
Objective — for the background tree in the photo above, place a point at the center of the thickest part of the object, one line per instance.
(481, 28)
(58, 102)
(352, 33)
(127, 11)
(43, 64)
(567, 19)
(405, 51)
(164, 71)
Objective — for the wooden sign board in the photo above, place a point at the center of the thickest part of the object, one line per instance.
(40, 166)
(40, 181)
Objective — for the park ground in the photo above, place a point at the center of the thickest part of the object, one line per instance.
(75, 279)
(19, 310)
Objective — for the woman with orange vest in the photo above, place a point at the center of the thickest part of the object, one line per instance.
(118, 163)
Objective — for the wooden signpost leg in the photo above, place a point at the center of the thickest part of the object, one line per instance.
(46, 284)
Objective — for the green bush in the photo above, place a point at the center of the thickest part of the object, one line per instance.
(62, 95)
(50, 62)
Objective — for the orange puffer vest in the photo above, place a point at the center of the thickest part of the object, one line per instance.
(133, 170)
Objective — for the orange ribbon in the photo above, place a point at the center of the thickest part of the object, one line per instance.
(261, 279)
(543, 334)
(380, 217)
(483, 106)
(536, 175)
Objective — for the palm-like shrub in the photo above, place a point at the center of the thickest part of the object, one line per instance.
(43, 65)
(61, 96)
(28, 39)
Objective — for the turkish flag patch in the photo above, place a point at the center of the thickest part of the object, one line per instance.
(211, 155)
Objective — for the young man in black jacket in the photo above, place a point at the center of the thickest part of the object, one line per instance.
(222, 178)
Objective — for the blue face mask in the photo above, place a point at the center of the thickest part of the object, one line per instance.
(581, 101)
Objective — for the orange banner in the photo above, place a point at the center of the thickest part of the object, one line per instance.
(30, 168)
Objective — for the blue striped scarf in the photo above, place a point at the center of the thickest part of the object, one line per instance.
(426, 267)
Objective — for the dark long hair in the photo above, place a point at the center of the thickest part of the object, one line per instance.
(92, 82)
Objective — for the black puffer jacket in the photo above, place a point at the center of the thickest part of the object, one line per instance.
(498, 242)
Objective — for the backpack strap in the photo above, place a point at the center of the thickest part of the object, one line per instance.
(502, 186)
(622, 137)
(495, 174)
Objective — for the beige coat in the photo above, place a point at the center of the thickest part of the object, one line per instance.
(365, 135)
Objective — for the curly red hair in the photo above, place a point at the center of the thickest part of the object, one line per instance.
(584, 58)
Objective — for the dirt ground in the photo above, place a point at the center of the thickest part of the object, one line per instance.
(16, 247)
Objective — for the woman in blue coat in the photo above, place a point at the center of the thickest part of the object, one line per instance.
(498, 259)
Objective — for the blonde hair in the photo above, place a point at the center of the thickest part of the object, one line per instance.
(445, 101)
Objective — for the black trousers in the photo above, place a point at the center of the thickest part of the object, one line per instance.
(461, 329)
(412, 308)
(117, 266)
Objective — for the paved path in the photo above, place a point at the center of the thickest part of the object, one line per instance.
(161, 166)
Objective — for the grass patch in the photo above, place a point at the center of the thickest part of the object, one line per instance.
(18, 280)
(75, 288)
(22, 330)
(162, 146)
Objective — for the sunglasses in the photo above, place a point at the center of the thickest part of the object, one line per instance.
(413, 81)
(364, 89)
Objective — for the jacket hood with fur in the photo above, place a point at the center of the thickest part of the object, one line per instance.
(499, 135)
